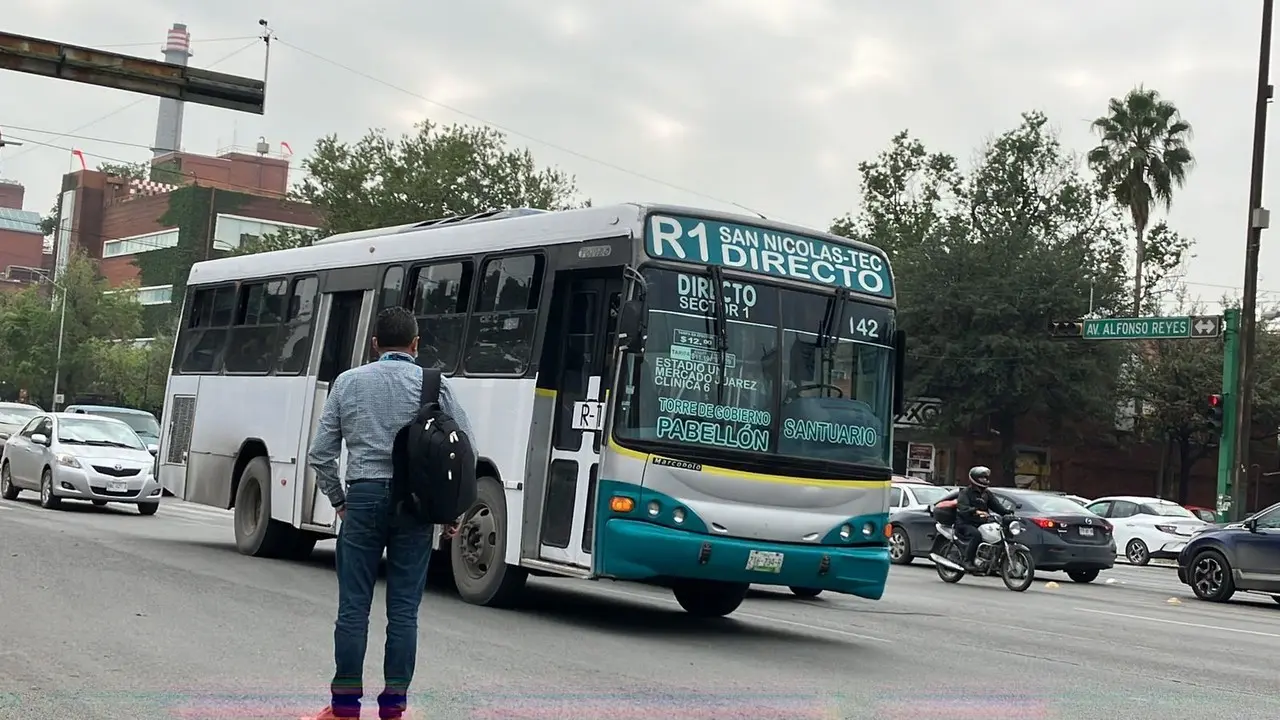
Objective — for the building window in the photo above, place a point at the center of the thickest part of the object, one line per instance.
(140, 243)
(152, 295)
(232, 230)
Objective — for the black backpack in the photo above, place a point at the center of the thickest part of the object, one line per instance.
(434, 463)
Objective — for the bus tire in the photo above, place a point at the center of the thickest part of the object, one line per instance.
(706, 598)
(257, 535)
(477, 555)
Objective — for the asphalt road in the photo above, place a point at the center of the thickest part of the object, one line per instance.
(110, 615)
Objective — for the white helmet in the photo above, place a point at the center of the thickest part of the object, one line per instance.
(980, 476)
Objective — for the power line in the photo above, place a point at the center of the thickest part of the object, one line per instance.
(133, 104)
(85, 138)
(516, 133)
(153, 42)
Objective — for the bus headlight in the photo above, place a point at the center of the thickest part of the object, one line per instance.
(868, 529)
(654, 508)
(845, 532)
(678, 515)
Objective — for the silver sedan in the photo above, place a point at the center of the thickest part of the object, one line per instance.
(66, 456)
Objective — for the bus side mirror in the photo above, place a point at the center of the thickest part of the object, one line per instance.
(631, 325)
(899, 371)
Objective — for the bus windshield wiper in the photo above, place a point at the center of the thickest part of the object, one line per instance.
(829, 333)
(719, 328)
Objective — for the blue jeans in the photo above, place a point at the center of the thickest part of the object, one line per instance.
(369, 527)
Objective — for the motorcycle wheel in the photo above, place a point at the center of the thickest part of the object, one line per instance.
(1018, 569)
(952, 553)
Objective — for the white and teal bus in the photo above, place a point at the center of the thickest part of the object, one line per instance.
(660, 394)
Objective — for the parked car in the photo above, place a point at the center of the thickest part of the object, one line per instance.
(1147, 527)
(910, 493)
(1242, 557)
(13, 416)
(142, 422)
(1203, 513)
(1062, 535)
(67, 456)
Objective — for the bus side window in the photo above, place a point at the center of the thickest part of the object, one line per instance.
(505, 316)
(388, 296)
(296, 349)
(255, 333)
(204, 338)
(440, 295)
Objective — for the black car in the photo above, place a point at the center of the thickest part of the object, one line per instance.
(1242, 557)
(1062, 535)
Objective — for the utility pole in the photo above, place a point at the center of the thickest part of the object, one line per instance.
(1259, 219)
(1230, 428)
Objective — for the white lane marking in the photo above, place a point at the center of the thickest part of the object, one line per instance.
(753, 616)
(1202, 626)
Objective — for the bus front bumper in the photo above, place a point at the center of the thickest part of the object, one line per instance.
(637, 550)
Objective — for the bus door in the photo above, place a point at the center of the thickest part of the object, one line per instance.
(343, 319)
(579, 336)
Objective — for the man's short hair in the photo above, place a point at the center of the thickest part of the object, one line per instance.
(395, 328)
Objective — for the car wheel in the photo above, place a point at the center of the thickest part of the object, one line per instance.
(8, 490)
(1210, 577)
(48, 500)
(1083, 576)
(803, 592)
(100, 503)
(900, 547)
(1136, 552)
(148, 508)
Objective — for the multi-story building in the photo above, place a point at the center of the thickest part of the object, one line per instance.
(149, 232)
(21, 239)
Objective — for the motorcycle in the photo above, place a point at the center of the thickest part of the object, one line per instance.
(998, 553)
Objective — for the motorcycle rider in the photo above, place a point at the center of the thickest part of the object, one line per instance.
(974, 506)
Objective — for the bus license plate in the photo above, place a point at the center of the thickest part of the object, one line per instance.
(761, 561)
(1086, 532)
(117, 486)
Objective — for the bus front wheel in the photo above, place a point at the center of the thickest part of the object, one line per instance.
(705, 598)
(256, 533)
(478, 552)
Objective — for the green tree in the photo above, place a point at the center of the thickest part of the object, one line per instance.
(130, 374)
(984, 259)
(1142, 158)
(436, 171)
(29, 330)
(283, 239)
(1174, 378)
(132, 171)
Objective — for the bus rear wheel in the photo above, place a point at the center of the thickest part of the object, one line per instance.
(257, 534)
(706, 598)
(478, 553)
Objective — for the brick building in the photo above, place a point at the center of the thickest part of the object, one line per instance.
(21, 240)
(147, 233)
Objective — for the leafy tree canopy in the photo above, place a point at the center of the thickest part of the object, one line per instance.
(29, 331)
(436, 171)
(984, 258)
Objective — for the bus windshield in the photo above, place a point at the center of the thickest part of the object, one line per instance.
(796, 374)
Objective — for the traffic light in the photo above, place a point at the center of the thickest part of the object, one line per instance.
(1066, 328)
(1215, 413)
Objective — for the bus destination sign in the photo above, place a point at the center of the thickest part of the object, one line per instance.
(768, 252)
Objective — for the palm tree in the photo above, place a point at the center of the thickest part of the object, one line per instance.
(1142, 158)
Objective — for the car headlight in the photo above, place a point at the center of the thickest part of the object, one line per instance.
(1167, 529)
(68, 461)
(1015, 528)
(4, 436)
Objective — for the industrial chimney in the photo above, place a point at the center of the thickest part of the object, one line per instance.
(169, 122)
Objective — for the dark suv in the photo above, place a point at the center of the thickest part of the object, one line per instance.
(1243, 557)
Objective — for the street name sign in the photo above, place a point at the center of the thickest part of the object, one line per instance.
(1153, 328)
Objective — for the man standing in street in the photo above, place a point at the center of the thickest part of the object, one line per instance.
(367, 407)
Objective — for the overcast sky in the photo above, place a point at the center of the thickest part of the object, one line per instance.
(765, 103)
